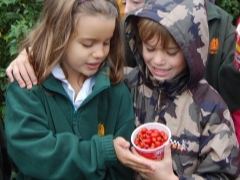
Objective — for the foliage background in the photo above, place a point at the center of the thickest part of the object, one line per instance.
(17, 17)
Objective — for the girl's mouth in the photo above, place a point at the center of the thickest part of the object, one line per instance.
(93, 65)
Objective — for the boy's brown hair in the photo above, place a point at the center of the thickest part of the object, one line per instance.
(149, 29)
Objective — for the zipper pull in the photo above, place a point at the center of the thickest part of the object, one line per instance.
(75, 128)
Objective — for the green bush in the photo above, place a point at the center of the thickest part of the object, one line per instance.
(232, 7)
(17, 17)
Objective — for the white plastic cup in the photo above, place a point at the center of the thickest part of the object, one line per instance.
(156, 154)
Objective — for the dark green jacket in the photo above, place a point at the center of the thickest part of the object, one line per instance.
(220, 72)
(48, 139)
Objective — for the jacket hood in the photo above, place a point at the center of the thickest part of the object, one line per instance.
(186, 21)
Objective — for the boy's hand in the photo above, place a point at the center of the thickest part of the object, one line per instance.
(163, 168)
(22, 71)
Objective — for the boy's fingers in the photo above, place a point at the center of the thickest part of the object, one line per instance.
(19, 73)
(9, 72)
(31, 74)
(167, 151)
(143, 168)
(21, 70)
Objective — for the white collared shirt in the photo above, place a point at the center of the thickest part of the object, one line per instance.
(83, 93)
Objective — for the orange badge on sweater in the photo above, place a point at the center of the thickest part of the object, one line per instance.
(214, 45)
(101, 130)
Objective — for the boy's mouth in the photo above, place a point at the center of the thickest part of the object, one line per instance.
(160, 72)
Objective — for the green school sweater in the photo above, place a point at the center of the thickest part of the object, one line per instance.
(48, 139)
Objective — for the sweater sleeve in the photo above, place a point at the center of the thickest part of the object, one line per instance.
(40, 153)
(125, 128)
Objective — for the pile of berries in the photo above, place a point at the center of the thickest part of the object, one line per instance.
(150, 138)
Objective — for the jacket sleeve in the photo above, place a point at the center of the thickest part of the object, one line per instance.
(218, 147)
(41, 154)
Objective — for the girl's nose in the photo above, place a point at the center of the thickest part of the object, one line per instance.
(99, 52)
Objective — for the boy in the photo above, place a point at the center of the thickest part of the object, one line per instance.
(169, 41)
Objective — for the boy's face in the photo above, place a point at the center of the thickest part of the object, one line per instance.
(164, 64)
(130, 5)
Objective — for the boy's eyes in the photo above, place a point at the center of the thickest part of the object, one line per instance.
(150, 49)
(172, 53)
(169, 52)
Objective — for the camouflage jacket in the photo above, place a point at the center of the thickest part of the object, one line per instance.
(204, 144)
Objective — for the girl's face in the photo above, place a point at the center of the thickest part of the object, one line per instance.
(130, 5)
(89, 45)
(164, 64)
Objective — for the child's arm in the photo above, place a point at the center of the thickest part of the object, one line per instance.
(122, 146)
(22, 71)
(219, 148)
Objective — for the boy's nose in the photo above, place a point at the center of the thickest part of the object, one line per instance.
(159, 59)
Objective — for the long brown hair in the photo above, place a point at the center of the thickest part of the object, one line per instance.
(46, 45)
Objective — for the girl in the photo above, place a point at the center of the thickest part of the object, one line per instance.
(68, 126)
(169, 40)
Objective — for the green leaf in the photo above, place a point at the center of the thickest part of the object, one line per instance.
(2, 72)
